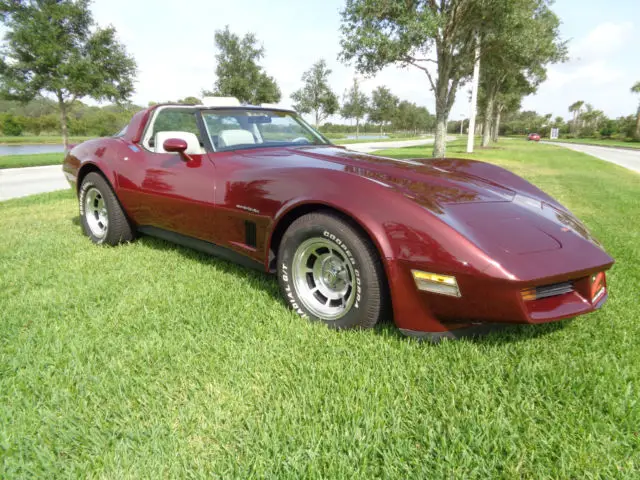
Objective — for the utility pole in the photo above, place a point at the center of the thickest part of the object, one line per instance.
(474, 97)
(461, 124)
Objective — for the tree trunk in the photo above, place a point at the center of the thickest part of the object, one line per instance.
(440, 140)
(488, 117)
(63, 122)
(475, 84)
(317, 119)
(357, 128)
(496, 126)
(638, 124)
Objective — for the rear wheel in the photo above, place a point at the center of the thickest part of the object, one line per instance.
(329, 271)
(101, 215)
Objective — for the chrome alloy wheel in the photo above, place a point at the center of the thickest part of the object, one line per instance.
(95, 212)
(324, 278)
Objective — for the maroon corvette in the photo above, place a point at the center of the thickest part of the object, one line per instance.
(441, 246)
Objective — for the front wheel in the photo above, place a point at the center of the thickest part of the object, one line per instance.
(329, 271)
(101, 215)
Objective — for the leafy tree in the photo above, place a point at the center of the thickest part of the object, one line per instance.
(626, 126)
(523, 37)
(54, 47)
(576, 108)
(11, 127)
(190, 101)
(636, 89)
(410, 117)
(316, 96)
(377, 33)
(356, 105)
(238, 72)
(591, 120)
(424, 120)
(383, 106)
(509, 100)
(608, 129)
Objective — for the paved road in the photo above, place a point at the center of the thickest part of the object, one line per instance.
(20, 182)
(626, 158)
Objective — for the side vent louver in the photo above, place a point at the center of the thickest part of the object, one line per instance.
(250, 237)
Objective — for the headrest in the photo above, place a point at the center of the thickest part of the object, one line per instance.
(228, 138)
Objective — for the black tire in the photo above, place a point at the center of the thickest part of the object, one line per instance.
(360, 261)
(117, 229)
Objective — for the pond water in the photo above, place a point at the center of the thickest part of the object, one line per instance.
(29, 149)
(367, 137)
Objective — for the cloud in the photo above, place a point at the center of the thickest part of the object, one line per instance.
(604, 39)
(598, 72)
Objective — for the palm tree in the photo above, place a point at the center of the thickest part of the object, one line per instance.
(636, 89)
(575, 108)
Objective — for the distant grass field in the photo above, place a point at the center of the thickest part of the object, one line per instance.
(150, 360)
(599, 141)
(390, 138)
(39, 159)
(40, 139)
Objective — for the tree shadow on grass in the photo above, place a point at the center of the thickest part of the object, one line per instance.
(255, 278)
(502, 334)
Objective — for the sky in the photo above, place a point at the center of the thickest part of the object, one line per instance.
(172, 42)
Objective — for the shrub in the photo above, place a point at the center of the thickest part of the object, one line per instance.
(11, 127)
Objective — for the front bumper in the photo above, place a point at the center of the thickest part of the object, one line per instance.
(486, 300)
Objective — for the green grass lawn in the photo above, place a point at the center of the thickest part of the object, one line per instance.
(150, 360)
(39, 159)
(40, 139)
(391, 138)
(599, 141)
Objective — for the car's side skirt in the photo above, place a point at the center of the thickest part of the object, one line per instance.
(202, 246)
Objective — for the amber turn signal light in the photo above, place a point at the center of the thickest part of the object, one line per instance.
(435, 283)
(529, 294)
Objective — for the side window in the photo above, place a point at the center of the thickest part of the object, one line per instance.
(171, 119)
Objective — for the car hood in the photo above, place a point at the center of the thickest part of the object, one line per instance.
(490, 206)
(432, 184)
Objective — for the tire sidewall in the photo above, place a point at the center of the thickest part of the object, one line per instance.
(349, 249)
(91, 182)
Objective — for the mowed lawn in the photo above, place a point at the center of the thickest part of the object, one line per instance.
(151, 361)
(39, 159)
(40, 139)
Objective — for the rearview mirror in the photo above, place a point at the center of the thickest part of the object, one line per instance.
(259, 119)
(174, 145)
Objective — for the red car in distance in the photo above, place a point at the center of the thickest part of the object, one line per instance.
(533, 137)
(442, 246)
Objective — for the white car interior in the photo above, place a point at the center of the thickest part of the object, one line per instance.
(229, 138)
(193, 145)
(227, 127)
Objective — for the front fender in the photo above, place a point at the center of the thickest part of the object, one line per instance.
(406, 235)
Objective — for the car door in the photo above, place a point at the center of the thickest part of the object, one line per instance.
(170, 191)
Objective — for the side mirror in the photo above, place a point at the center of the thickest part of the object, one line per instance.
(175, 145)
